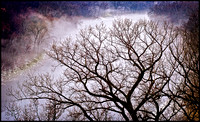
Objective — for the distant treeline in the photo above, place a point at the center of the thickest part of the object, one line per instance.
(10, 10)
(84, 8)
(175, 10)
(23, 32)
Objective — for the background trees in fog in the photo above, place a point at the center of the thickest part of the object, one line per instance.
(36, 29)
(12, 21)
(120, 73)
(32, 33)
(175, 11)
(15, 16)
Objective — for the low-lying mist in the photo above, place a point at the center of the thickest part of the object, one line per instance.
(36, 31)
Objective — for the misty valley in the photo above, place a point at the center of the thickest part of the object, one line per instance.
(100, 61)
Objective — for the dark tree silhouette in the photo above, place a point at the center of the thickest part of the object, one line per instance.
(121, 73)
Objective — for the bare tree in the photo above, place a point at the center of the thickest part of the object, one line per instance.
(120, 73)
(185, 56)
(36, 28)
(33, 108)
